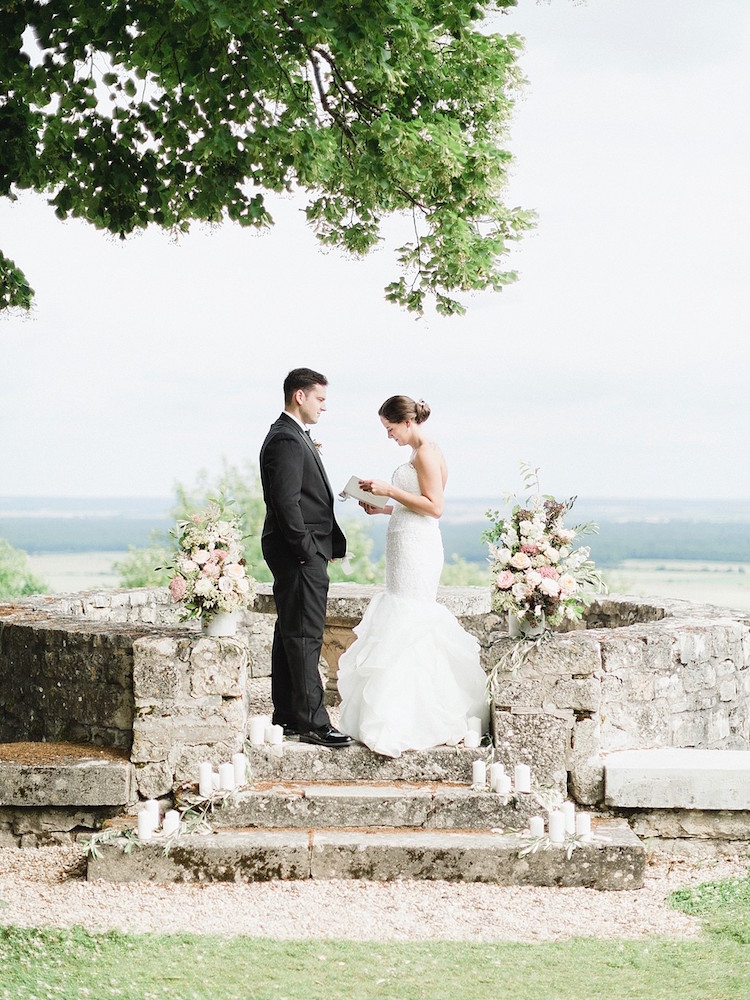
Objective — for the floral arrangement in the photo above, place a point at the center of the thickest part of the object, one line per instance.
(537, 573)
(210, 574)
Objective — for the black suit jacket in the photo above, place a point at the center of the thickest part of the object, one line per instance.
(298, 496)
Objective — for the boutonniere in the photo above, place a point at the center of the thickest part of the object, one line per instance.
(318, 445)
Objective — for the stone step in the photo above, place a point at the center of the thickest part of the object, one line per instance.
(675, 778)
(295, 761)
(373, 805)
(64, 774)
(614, 859)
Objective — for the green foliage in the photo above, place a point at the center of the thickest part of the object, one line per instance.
(71, 963)
(164, 112)
(724, 907)
(16, 579)
(459, 572)
(145, 567)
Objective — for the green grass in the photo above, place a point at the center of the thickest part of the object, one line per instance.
(73, 964)
(723, 907)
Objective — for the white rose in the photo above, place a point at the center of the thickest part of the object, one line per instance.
(187, 566)
(519, 560)
(568, 584)
(533, 578)
(520, 591)
(552, 555)
(225, 585)
(549, 587)
(234, 571)
(200, 556)
(503, 556)
(525, 527)
(204, 587)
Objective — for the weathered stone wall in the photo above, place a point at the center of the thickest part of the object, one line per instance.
(66, 681)
(678, 678)
(113, 667)
(190, 705)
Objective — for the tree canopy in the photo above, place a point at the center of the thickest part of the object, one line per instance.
(132, 113)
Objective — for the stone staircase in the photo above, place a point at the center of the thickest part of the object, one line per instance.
(316, 813)
(50, 789)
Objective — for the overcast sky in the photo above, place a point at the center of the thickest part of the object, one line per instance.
(619, 363)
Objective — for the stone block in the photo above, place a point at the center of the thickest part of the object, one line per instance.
(539, 740)
(530, 692)
(640, 724)
(586, 771)
(690, 729)
(156, 669)
(728, 689)
(645, 653)
(693, 645)
(154, 735)
(698, 677)
(154, 779)
(218, 667)
(583, 695)
(700, 824)
(678, 779)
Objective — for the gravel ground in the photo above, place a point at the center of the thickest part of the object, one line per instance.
(46, 887)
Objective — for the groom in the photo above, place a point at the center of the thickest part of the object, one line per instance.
(300, 535)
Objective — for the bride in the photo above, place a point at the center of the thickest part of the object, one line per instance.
(412, 677)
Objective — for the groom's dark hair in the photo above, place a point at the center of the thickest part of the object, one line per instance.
(301, 378)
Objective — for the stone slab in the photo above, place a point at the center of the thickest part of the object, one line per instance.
(257, 856)
(321, 806)
(674, 778)
(303, 762)
(86, 781)
(615, 859)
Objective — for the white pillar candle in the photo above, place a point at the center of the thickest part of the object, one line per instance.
(557, 827)
(504, 785)
(171, 822)
(151, 806)
(478, 774)
(145, 825)
(523, 778)
(583, 826)
(472, 739)
(569, 812)
(276, 736)
(536, 826)
(239, 762)
(257, 731)
(226, 776)
(497, 770)
(205, 779)
(474, 724)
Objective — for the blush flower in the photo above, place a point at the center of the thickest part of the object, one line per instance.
(505, 579)
(177, 588)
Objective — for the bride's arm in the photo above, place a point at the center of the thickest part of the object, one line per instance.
(427, 462)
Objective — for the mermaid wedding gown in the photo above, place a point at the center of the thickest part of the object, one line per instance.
(412, 678)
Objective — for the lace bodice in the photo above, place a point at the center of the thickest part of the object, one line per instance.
(414, 548)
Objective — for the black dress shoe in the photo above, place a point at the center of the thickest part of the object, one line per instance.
(291, 731)
(325, 736)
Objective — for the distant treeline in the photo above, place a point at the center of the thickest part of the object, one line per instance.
(79, 534)
(616, 541)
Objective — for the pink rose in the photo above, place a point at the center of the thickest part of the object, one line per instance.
(177, 588)
(504, 580)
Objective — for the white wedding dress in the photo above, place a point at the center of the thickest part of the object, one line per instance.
(412, 678)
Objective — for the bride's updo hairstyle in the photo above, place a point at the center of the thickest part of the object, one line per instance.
(399, 409)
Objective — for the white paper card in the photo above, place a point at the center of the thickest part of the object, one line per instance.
(352, 490)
